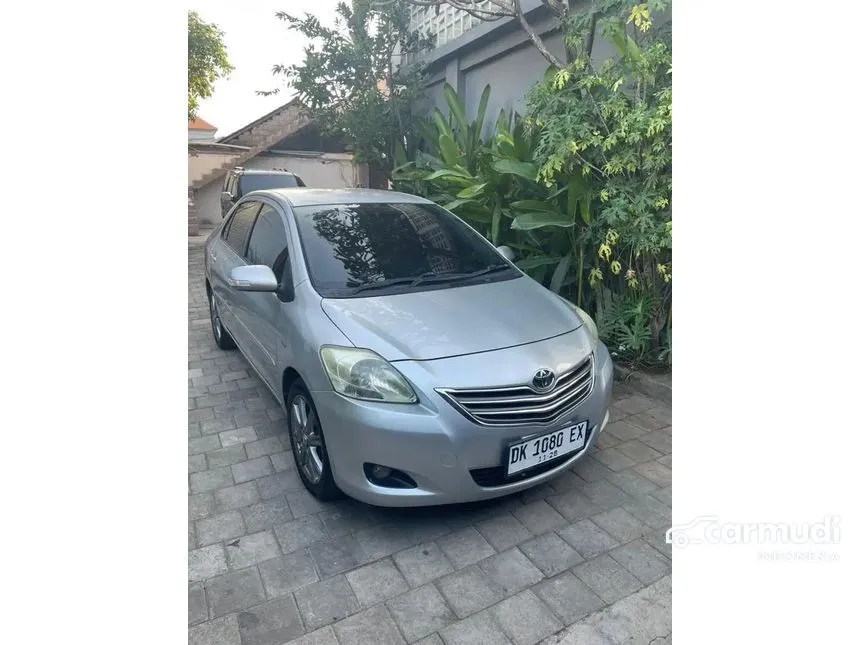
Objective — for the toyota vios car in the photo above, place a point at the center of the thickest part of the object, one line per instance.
(415, 363)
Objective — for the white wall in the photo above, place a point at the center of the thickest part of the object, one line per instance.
(208, 203)
(327, 171)
(201, 135)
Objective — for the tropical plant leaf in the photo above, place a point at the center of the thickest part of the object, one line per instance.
(429, 135)
(522, 169)
(537, 261)
(502, 123)
(529, 221)
(585, 208)
(428, 160)
(534, 205)
(560, 273)
(455, 105)
(479, 118)
(442, 124)
(457, 203)
(476, 214)
(450, 152)
(448, 173)
(496, 222)
(472, 191)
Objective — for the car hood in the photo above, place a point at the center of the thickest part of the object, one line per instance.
(454, 321)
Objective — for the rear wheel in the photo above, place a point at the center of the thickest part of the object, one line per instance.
(308, 444)
(222, 337)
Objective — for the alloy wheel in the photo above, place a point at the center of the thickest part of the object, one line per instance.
(216, 320)
(307, 439)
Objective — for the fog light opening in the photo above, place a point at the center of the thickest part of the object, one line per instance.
(388, 477)
(380, 472)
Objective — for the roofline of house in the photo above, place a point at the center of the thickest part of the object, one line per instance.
(215, 146)
(262, 119)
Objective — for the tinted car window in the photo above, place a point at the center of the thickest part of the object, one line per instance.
(350, 247)
(268, 239)
(236, 232)
(247, 183)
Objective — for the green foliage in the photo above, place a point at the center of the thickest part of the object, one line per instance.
(623, 321)
(207, 60)
(580, 187)
(492, 184)
(613, 125)
(350, 81)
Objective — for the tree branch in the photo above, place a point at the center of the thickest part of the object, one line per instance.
(536, 40)
(499, 9)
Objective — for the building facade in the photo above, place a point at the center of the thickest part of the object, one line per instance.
(471, 53)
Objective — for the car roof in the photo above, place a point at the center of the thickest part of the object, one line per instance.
(325, 196)
(252, 171)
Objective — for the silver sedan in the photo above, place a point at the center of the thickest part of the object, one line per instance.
(415, 363)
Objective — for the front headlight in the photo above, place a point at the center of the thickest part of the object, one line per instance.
(587, 321)
(365, 375)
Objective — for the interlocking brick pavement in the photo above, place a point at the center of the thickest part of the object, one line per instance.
(268, 564)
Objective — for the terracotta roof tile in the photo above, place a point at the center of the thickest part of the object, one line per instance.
(200, 124)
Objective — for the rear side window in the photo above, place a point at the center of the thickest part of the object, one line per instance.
(237, 229)
(248, 183)
(268, 239)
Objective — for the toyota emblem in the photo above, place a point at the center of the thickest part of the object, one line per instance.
(543, 380)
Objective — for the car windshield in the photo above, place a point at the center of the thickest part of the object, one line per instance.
(361, 250)
(247, 183)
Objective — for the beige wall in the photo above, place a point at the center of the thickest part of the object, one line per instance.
(326, 171)
(205, 162)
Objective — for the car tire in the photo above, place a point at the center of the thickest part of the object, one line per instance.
(222, 337)
(308, 444)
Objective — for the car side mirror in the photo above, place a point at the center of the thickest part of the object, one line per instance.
(507, 253)
(254, 277)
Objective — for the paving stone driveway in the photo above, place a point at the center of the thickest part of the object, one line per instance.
(268, 564)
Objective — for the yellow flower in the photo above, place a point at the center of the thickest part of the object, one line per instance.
(604, 252)
(615, 266)
(611, 237)
(595, 277)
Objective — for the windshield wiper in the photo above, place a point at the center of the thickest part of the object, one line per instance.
(392, 282)
(451, 277)
(428, 277)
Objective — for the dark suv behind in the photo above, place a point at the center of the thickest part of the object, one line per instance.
(239, 182)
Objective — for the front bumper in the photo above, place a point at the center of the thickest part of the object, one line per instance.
(436, 445)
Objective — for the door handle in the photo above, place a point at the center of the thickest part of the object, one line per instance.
(212, 257)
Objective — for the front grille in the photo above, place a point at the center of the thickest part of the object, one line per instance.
(520, 405)
(495, 476)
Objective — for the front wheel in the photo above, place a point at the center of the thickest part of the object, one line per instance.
(308, 444)
(222, 337)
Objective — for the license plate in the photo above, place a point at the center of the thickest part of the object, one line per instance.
(534, 452)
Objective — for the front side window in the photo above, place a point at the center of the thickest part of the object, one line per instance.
(361, 250)
(268, 238)
(237, 229)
